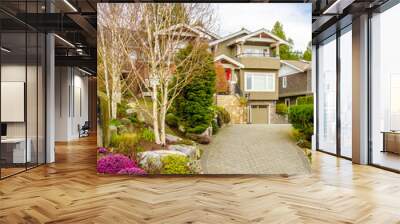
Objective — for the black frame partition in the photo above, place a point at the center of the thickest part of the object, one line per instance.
(333, 37)
(25, 55)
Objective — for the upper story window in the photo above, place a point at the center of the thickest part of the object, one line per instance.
(259, 82)
(284, 82)
(256, 51)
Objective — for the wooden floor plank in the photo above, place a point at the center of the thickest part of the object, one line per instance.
(70, 191)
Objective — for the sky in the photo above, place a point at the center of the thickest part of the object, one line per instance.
(295, 17)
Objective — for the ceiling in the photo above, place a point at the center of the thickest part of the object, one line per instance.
(331, 15)
(75, 22)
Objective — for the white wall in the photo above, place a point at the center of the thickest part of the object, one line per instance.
(71, 87)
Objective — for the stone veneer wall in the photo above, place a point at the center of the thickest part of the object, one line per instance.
(231, 103)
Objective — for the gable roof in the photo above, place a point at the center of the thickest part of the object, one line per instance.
(229, 59)
(196, 30)
(299, 65)
(242, 31)
(263, 30)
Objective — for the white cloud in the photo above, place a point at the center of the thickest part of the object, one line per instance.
(295, 17)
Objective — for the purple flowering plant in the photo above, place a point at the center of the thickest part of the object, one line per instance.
(102, 150)
(113, 163)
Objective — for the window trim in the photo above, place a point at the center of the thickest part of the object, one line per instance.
(260, 73)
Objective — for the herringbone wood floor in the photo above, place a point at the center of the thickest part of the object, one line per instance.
(70, 191)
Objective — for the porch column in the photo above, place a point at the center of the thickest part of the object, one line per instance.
(277, 50)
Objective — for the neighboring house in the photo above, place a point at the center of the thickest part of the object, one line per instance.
(294, 81)
(251, 61)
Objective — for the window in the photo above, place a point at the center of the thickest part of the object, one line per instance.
(284, 82)
(385, 89)
(327, 95)
(261, 82)
(346, 94)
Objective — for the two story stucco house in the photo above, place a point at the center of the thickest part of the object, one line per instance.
(251, 62)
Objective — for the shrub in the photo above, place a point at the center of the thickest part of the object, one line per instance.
(301, 139)
(198, 129)
(281, 109)
(305, 100)
(301, 117)
(243, 101)
(122, 108)
(147, 135)
(175, 164)
(132, 171)
(215, 127)
(124, 143)
(172, 120)
(193, 106)
(115, 122)
(223, 116)
(113, 163)
(133, 118)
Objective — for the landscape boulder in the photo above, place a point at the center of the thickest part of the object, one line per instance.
(153, 158)
(191, 151)
(172, 139)
(202, 139)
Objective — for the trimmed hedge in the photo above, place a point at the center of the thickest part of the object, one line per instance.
(281, 109)
(305, 100)
(302, 118)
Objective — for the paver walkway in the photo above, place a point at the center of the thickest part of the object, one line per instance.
(254, 149)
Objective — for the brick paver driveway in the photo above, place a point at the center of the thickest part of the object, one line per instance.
(254, 149)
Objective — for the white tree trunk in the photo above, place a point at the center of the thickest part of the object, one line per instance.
(163, 113)
(155, 115)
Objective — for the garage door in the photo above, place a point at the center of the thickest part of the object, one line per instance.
(259, 114)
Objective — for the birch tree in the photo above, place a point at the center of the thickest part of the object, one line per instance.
(110, 53)
(157, 32)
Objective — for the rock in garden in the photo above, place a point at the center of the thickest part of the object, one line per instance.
(190, 151)
(153, 158)
(202, 139)
(172, 139)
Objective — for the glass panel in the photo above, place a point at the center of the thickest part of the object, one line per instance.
(13, 87)
(327, 96)
(31, 98)
(259, 82)
(385, 84)
(346, 94)
(248, 82)
(41, 99)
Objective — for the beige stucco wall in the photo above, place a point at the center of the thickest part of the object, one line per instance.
(254, 62)
(260, 95)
